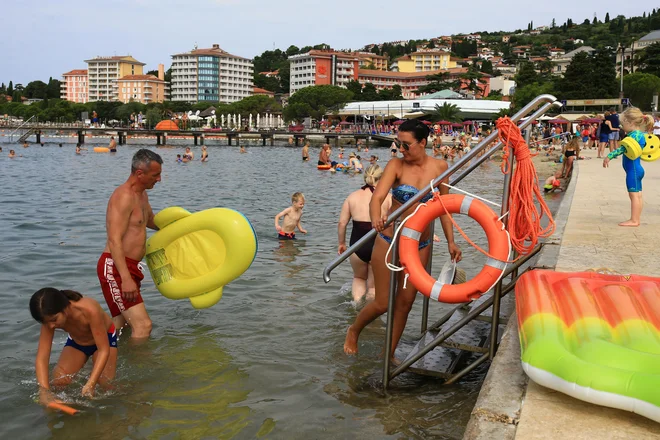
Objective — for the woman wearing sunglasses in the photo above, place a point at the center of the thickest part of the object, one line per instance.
(404, 177)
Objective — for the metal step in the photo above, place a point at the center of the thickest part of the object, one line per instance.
(26, 135)
(449, 356)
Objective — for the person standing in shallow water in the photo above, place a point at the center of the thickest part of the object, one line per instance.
(404, 177)
(128, 216)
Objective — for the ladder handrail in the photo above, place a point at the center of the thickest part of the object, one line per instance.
(11, 135)
(548, 100)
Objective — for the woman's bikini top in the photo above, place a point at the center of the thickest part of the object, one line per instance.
(403, 193)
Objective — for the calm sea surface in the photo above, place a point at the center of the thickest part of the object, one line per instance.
(267, 361)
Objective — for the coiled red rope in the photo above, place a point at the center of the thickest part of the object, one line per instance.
(524, 219)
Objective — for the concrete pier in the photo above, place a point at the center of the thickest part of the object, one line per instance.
(512, 407)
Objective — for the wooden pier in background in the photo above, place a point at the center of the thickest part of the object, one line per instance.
(199, 136)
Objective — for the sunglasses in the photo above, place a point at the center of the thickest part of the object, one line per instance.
(406, 146)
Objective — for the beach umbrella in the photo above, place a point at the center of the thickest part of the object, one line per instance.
(558, 121)
(444, 122)
(427, 122)
(167, 125)
(457, 125)
(399, 122)
(467, 123)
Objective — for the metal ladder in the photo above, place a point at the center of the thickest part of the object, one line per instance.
(21, 139)
(26, 135)
(449, 362)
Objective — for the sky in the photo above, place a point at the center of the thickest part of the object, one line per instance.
(44, 38)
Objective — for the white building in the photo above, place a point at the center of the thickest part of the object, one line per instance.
(211, 75)
(103, 73)
(641, 44)
(502, 84)
(562, 62)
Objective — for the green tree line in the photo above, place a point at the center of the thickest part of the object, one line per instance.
(60, 110)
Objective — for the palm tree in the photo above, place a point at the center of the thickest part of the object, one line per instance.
(446, 112)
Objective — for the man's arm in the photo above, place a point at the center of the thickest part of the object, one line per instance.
(117, 219)
(150, 218)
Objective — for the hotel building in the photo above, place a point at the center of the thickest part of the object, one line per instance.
(211, 75)
(322, 67)
(103, 73)
(143, 88)
(425, 61)
(74, 86)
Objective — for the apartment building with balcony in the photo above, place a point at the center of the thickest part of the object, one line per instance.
(74, 86)
(426, 61)
(103, 73)
(322, 67)
(143, 88)
(210, 75)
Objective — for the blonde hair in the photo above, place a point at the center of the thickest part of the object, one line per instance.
(637, 119)
(372, 174)
(296, 197)
(574, 143)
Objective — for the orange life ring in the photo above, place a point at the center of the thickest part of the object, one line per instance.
(499, 247)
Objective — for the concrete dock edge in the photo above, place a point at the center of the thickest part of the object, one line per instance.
(497, 411)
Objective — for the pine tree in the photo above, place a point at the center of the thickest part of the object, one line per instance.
(554, 23)
(10, 88)
(607, 17)
(531, 25)
(644, 14)
(3, 89)
(595, 21)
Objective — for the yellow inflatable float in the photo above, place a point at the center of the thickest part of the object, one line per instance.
(195, 255)
(101, 149)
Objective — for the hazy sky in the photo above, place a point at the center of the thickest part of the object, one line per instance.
(44, 38)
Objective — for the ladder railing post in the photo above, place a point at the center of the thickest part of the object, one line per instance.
(394, 282)
(429, 269)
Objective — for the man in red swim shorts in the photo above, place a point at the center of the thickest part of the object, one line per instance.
(127, 219)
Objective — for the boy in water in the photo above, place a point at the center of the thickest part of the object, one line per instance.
(292, 216)
(178, 158)
(552, 183)
(91, 334)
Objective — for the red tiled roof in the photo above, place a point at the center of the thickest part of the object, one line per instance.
(388, 74)
(126, 58)
(140, 78)
(76, 72)
(213, 51)
(260, 91)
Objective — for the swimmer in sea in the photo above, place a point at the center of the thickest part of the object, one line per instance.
(205, 154)
(12, 154)
(78, 149)
(91, 334)
(188, 155)
(292, 216)
(178, 158)
(113, 145)
(305, 152)
(242, 150)
(25, 145)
